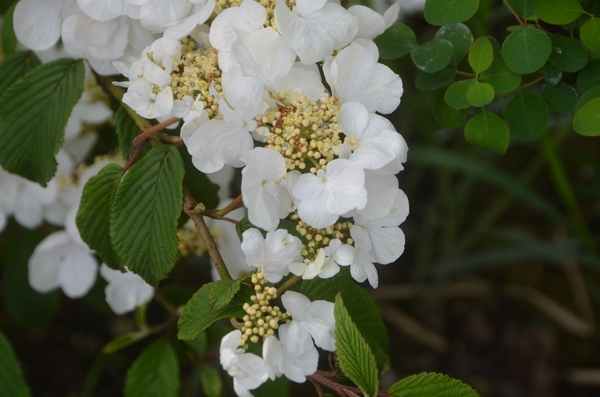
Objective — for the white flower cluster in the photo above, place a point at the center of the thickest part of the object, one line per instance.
(246, 81)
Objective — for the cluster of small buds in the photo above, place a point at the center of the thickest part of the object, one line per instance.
(320, 238)
(306, 133)
(221, 5)
(261, 319)
(190, 243)
(193, 74)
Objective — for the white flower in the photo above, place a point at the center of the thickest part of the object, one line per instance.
(327, 262)
(355, 75)
(266, 199)
(314, 28)
(37, 22)
(373, 138)
(273, 254)
(248, 17)
(219, 142)
(381, 195)
(309, 319)
(247, 369)
(63, 260)
(280, 361)
(8, 195)
(30, 202)
(157, 15)
(189, 109)
(328, 194)
(125, 291)
(141, 98)
(200, 12)
(370, 23)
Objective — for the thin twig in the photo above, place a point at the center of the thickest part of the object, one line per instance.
(512, 11)
(291, 281)
(234, 205)
(465, 73)
(144, 135)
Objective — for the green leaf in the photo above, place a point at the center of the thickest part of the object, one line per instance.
(127, 130)
(360, 305)
(480, 94)
(587, 119)
(557, 12)
(397, 41)
(93, 216)
(353, 352)
(561, 98)
(212, 384)
(201, 188)
(27, 307)
(431, 384)
(279, 387)
(495, 46)
(526, 50)
(445, 114)
(154, 373)
(587, 96)
(222, 292)
(481, 54)
(527, 115)
(460, 37)
(552, 75)
(523, 8)
(33, 116)
(144, 212)
(16, 66)
(200, 344)
(589, 77)
(456, 94)
(197, 316)
(590, 34)
(433, 55)
(568, 54)
(433, 81)
(12, 382)
(122, 341)
(488, 131)
(501, 77)
(9, 39)
(447, 12)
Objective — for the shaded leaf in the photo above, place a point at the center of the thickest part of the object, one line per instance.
(155, 373)
(488, 131)
(501, 77)
(587, 119)
(589, 76)
(561, 98)
(460, 37)
(431, 384)
(212, 384)
(445, 114)
(127, 130)
(523, 8)
(122, 341)
(590, 34)
(568, 54)
(587, 96)
(433, 81)
(9, 39)
(552, 75)
(397, 41)
(526, 115)
(557, 12)
(16, 66)
(456, 94)
(433, 55)
(144, 213)
(526, 50)
(353, 352)
(222, 293)
(12, 382)
(446, 12)
(33, 115)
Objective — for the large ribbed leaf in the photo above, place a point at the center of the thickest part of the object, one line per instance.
(431, 384)
(16, 66)
(155, 373)
(144, 213)
(33, 115)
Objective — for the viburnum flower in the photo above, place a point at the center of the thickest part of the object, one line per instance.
(219, 142)
(355, 76)
(327, 262)
(314, 28)
(264, 195)
(328, 194)
(309, 319)
(272, 254)
(8, 196)
(125, 291)
(370, 23)
(247, 369)
(248, 17)
(63, 260)
(141, 98)
(279, 359)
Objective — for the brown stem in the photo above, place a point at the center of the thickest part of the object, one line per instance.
(153, 130)
(234, 205)
(170, 139)
(213, 215)
(524, 86)
(291, 281)
(512, 11)
(465, 73)
(340, 389)
(195, 211)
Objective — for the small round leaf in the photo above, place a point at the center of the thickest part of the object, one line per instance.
(568, 54)
(587, 96)
(456, 94)
(501, 77)
(433, 55)
(488, 131)
(397, 41)
(447, 12)
(445, 115)
(590, 34)
(461, 38)
(561, 98)
(552, 74)
(557, 12)
(527, 115)
(433, 81)
(587, 120)
(589, 76)
(523, 8)
(481, 54)
(480, 94)
(526, 50)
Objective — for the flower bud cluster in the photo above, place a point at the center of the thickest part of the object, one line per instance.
(261, 319)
